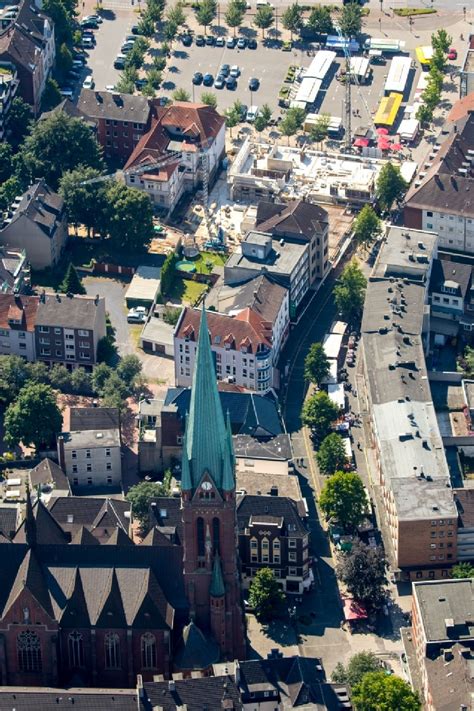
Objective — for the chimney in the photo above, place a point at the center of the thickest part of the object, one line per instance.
(274, 491)
(61, 456)
(237, 672)
(171, 685)
(96, 300)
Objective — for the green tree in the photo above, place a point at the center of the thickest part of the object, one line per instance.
(331, 455)
(136, 56)
(210, 99)
(85, 199)
(232, 118)
(462, 570)
(206, 11)
(71, 284)
(146, 26)
(318, 413)
(6, 161)
(360, 664)
(170, 31)
(181, 95)
(19, 121)
(51, 95)
(81, 381)
(234, 15)
(159, 63)
(264, 595)
(175, 14)
(319, 130)
(34, 418)
(168, 275)
(128, 369)
(364, 573)
(125, 84)
(297, 115)
(38, 372)
(126, 232)
(60, 143)
(288, 126)
(351, 20)
(320, 21)
(14, 373)
(64, 61)
(424, 114)
(349, 291)
(115, 392)
(8, 191)
(343, 499)
(390, 186)
(100, 375)
(367, 226)
(316, 364)
(264, 18)
(62, 18)
(441, 40)
(60, 378)
(266, 114)
(292, 19)
(140, 497)
(379, 691)
(259, 124)
(153, 77)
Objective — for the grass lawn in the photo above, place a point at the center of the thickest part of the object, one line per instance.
(207, 261)
(135, 331)
(410, 11)
(186, 291)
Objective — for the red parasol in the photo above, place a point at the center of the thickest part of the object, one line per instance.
(382, 131)
(361, 142)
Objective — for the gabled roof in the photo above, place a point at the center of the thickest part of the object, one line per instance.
(47, 529)
(30, 577)
(155, 537)
(93, 418)
(247, 329)
(113, 105)
(89, 511)
(194, 694)
(452, 274)
(26, 306)
(8, 519)
(46, 472)
(196, 651)
(48, 699)
(297, 219)
(255, 509)
(42, 206)
(83, 537)
(260, 294)
(119, 538)
(73, 311)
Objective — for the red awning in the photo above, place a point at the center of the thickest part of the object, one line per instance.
(397, 147)
(382, 131)
(383, 144)
(361, 142)
(354, 610)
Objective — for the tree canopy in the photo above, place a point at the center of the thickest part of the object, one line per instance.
(320, 21)
(343, 499)
(126, 231)
(367, 226)
(265, 595)
(441, 40)
(264, 18)
(60, 143)
(206, 11)
(390, 185)
(331, 455)
(316, 364)
(34, 417)
(141, 495)
(351, 20)
(363, 572)
(19, 121)
(71, 284)
(318, 413)
(379, 691)
(349, 292)
(359, 665)
(85, 200)
(462, 570)
(234, 14)
(292, 18)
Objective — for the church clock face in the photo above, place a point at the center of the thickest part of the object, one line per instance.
(206, 485)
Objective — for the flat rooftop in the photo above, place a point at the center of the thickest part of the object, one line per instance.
(425, 500)
(446, 608)
(407, 252)
(158, 331)
(93, 439)
(261, 484)
(283, 258)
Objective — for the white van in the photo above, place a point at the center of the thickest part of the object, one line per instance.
(252, 114)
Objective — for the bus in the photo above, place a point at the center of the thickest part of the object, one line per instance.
(339, 44)
(334, 126)
(424, 55)
(398, 74)
(388, 110)
(388, 46)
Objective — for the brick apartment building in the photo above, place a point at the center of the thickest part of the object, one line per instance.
(121, 120)
(17, 325)
(68, 329)
(420, 515)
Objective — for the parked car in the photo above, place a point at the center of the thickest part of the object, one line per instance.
(224, 70)
(208, 80)
(220, 42)
(231, 42)
(234, 71)
(254, 84)
(135, 29)
(187, 40)
(241, 43)
(286, 46)
(243, 111)
(87, 43)
(197, 78)
(89, 24)
(231, 83)
(66, 92)
(252, 114)
(131, 38)
(127, 47)
(77, 64)
(453, 53)
(94, 18)
(120, 61)
(140, 83)
(220, 82)
(88, 82)
(210, 40)
(200, 40)
(137, 315)
(252, 43)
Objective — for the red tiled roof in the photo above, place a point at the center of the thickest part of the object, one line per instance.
(246, 329)
(462, 107)
(22, 308)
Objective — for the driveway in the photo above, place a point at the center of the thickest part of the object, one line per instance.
(156, 369)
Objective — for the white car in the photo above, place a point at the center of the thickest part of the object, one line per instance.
(137, 315)
(252, 114)
(234, 71)
(88, 82)
(110, 87)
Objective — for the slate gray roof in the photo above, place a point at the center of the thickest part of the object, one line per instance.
(278, 507)
(46, 472)
(42, 206)
(91, 439)
(260, 294)
(297, 219)
(8, 519)
(67, 311)
(451, 600)
(66, 106)
(202, 694)
(445, 271)
(249, 413)
(48, 530)
(196, 650)
(90, 512)
(33, 699)
(277, 448)
(115, 106)
(93, 418)
(451, 680)
(444, 189)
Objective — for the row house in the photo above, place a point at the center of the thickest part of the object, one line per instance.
(451, 298)
(184, 145)
(52, 328)
(28, 43)
(242, 348)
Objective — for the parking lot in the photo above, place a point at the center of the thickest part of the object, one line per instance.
(109, 37)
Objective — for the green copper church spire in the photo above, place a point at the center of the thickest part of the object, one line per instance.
(206, 444)
(217, 588)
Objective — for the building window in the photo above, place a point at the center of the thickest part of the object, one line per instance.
(292, 556)
(88, 453)
(75, 481)
(89, 481)
(108, 466)
(292, 543)
(200, 536)
(43, 329)
(109, 480)
(75, 645)
(216, 534)
(29, 652)
(292, 571)
(148, 651)
(74, 468)
(112, 651)
(83, 333)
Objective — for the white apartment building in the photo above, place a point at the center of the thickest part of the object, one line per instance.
(91, 458)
